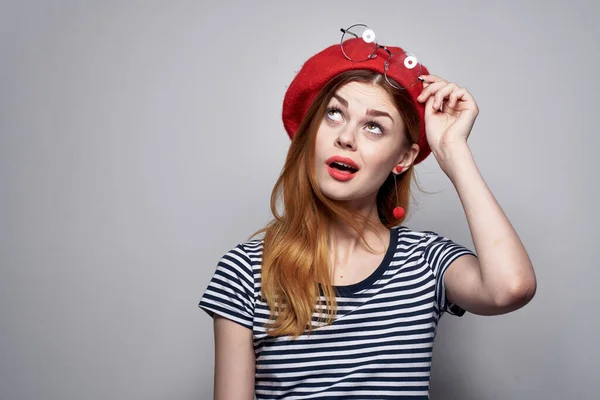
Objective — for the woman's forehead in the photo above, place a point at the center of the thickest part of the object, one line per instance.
(366, 95)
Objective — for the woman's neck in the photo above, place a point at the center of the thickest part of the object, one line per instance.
(344, 241)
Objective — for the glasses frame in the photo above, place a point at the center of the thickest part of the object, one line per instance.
(374, 55)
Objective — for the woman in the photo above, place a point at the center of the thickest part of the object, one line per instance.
(340, 300)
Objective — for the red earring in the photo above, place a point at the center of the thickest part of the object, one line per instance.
(399, 212)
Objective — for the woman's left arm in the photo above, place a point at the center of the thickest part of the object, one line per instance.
(501, 279)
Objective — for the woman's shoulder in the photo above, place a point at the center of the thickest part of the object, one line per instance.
(248, 252)
(242, 262)
(423, 240)
(431, 243)
(406, 233)
(252, 248)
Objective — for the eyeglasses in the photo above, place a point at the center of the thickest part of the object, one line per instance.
(359, 43)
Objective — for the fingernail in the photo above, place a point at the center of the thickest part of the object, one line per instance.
(421, 79)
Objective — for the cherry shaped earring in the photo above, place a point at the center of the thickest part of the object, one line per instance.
(399, 212)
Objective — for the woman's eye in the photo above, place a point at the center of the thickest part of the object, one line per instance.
(334, 115)
(374, 128)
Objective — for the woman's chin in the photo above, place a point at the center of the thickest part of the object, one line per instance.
(333, 191)
(342, 195)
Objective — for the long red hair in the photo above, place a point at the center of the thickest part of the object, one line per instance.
(295, 264)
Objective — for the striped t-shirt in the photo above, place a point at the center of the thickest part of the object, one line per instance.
(381, 342)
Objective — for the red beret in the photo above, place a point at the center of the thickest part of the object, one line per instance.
(325, 65)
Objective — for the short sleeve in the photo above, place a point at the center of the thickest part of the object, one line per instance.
(230, 292)
(439, 254)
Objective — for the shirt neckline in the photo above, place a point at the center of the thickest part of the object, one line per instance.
(346, 290)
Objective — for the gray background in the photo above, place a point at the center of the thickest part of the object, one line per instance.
(140, 141)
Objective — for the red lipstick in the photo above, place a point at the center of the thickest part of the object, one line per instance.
(341, 168)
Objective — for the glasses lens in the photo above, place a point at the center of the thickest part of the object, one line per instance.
(359, 42)
(404, 64)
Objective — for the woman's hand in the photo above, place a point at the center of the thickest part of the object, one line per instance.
(448, 128)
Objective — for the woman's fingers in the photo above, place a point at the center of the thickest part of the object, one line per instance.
(442, 94)
(430, 88)
(458, 94)
(441, 91)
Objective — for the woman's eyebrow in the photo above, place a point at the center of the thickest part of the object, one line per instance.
(371, 113)
(341, 100)
(377, 113)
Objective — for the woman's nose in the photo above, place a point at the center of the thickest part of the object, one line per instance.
(346, 139)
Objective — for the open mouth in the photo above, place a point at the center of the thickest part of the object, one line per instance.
(343, 167)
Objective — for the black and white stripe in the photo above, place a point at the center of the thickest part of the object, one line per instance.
(379, 346)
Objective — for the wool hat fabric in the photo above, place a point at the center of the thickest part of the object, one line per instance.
(328, 63)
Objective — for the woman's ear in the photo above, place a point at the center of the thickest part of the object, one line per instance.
(406, 160)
